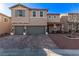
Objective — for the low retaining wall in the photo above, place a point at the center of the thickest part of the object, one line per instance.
(65, 43)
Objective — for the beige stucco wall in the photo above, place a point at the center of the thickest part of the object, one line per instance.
(63, 20)
(20, 19)
(5, 27)
(28, 20)
(73, 17)
(52, 19)
(51, 28)
(68, 21)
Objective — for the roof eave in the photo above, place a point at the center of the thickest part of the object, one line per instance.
(18, 5)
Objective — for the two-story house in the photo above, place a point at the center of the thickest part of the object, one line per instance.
(70, 22)
(73, 21)
(28, 20)
(53, 23)
(5, 24)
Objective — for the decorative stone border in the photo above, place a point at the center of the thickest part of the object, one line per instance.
(71, 38)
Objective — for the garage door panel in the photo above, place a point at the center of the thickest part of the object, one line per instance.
(19, 30)
(35, 30)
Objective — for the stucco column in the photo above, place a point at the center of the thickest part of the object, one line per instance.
(55, 28)
(68, 28)
(24, 33)
(78, 27)
(12, 30)
(46, 30)
(62, 27)
(73, 27)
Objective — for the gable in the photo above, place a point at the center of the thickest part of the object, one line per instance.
(18, 5)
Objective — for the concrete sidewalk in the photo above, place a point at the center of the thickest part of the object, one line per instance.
(66, 52)
(39, 52)
(27, 52)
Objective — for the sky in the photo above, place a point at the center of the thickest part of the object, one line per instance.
(52, 7)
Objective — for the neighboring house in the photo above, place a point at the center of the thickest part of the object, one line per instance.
(27, 20)
(73, 22)
(70, 22)
(53, 23)
(64, 21)
(5, 24)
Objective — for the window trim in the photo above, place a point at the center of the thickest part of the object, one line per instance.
(49, 16)
(41, 15)
(54, 16)
(20, 13)
(5, 19)
(34, 13)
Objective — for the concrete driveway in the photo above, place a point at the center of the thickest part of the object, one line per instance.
(32, 45)
(32, 41)
(28, 45)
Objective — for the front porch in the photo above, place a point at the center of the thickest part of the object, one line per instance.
(55, 27)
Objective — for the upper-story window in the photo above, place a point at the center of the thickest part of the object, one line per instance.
(20, 13)
(34, 13)
(5, 20)
(49, 16)
(70, 17)
(41, 13)
(54, 16)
